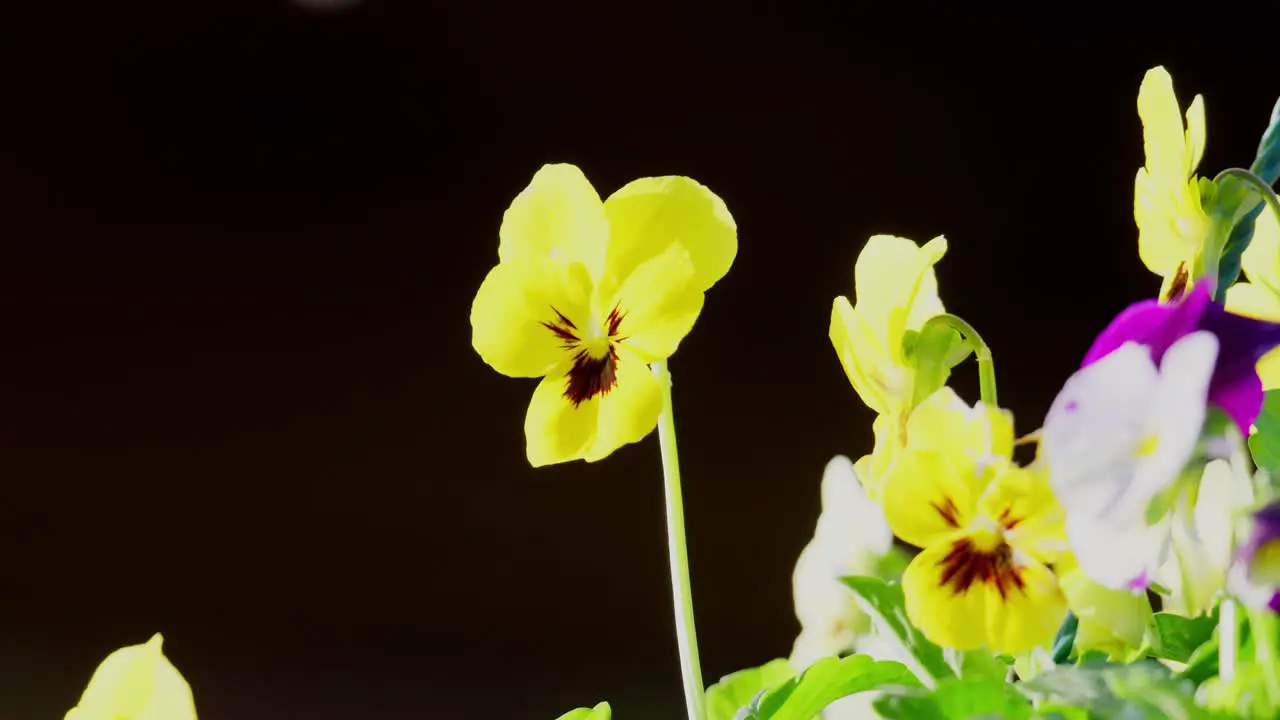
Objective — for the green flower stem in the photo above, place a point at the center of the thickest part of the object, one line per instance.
(986, 367)
(1228, 639)
(1257, 183)
(682, 596)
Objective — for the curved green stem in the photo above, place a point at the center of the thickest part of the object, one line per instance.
(1257, 183)
(982, 353)
(681, 595)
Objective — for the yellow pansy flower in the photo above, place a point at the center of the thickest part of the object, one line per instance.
(1259, 297)
(136, 683)
(988, 531)
(587, 293)
(1172, 223)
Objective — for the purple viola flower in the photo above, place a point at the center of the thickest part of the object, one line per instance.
(1255, 576)
(1242, 341)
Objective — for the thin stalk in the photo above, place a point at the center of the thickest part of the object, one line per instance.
(681, 594)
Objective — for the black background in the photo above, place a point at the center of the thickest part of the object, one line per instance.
(238, 402)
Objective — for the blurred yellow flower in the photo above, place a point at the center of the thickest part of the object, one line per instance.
(988, 531)
(1259, 297)
(587, 293)
(136, 683)
(1172, 223)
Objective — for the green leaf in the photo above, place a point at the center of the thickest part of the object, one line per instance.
(1181, 636)
(1065, 640)
(1141, 691)
(957, 699)
(599, 712)
(828, 680)
(884, 604)
(1264, 445)
(981, 665)
(1267, 163)
(736, 690)
(1233, 252)
(934, 347)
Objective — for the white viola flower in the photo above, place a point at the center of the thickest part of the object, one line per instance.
(1204, 539)
(850, 539)
(1119, 434)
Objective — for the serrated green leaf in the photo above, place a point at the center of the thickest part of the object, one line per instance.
(883, 602)
(957, 699)
(1181, 636)
(1267, 163)
(736, 690)
(828, 680)
(599, 712)
(1264, 445)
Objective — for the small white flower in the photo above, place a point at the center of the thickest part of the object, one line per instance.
(1204, 539)
(850, 539)
(1120, 432)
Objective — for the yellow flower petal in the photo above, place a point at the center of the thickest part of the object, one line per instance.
(954, 599)
(1257, 300)
(514, 307)
(928, 496)
(136, 683)
(1261, 260)
(558, 216)
(647, 215)
(1029, 616)
(1171, 221)
(944, 422)
(555, 430)
(659, 304)
(1023, 501)
(879, 382)
(895, 273)
(1164, 138)
(950, 619)
(630, 410)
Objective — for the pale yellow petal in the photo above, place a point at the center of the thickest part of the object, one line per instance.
(928, 496)
(1111, 621)
(136, 683)
(1195, 134)
(1162, 131)
(629, 411)
(1253, 300)
(881, 384)
(1022, 500)
(892, 272)
(659, 304)
(1269, 370)
(1026, 616)
(555, 430)
(647, 215)
(558, 216)
(950, 619)
(1160, 248)
(1261, 260)
(944, 422)
(515, 308)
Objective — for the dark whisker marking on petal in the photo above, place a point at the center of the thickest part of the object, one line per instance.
(965, 565)
(948, 510)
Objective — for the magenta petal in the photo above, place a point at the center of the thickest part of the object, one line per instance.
(1240, 397)
(1150, 323)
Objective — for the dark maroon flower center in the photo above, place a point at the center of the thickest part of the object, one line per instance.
(595, 359)
(967, 564)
